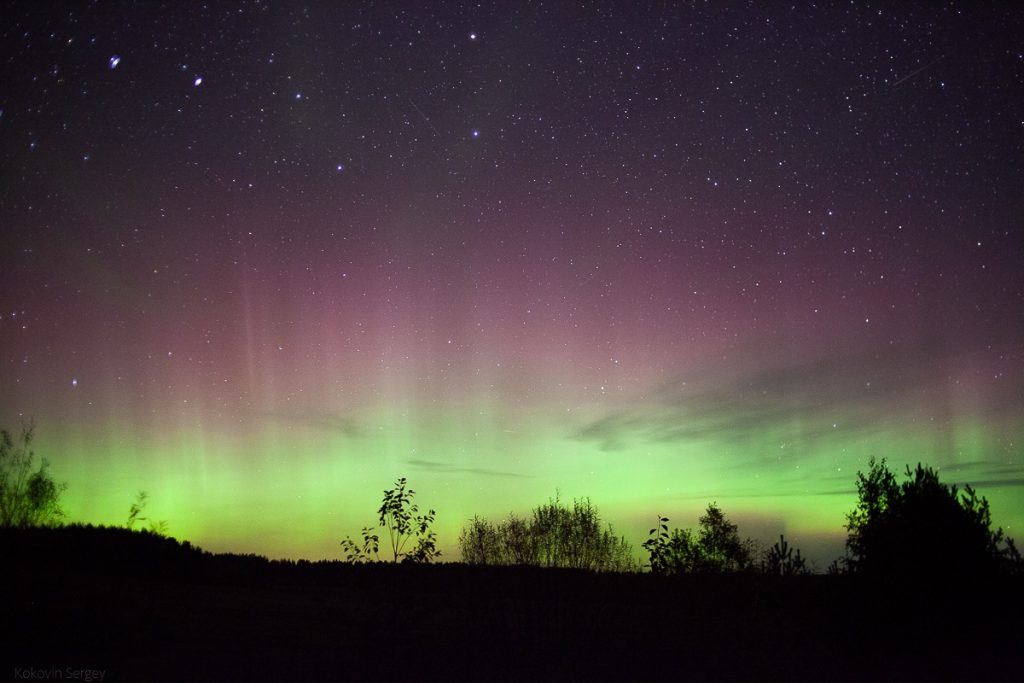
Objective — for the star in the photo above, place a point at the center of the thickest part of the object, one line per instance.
(577, 243)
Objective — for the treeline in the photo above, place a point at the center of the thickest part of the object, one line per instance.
(557, 535)
(915, 527)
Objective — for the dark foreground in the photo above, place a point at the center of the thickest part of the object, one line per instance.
(79, 601)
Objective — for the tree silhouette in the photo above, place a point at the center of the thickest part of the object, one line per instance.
(714, 548)
(780, 560)
(719, 544)
(28, 497)
(922, 527)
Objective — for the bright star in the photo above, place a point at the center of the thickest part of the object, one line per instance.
(472, 36)
(114, 61)
(198, 81)
(475, 133)
(339, 168)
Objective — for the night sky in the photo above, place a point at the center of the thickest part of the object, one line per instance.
(262, 259)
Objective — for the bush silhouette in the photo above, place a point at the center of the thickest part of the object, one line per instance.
(922, 527)
(554, 536)
(480, 543)
(714, 548)
(28, 496)
(401, 518)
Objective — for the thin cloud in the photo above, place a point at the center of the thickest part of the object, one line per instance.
(448, 468)
(329, 422)
(860, 394)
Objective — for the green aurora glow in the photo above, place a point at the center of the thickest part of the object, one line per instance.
(655, 257)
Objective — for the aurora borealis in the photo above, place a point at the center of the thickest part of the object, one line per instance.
(261, 259)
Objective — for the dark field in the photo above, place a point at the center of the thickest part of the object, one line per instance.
(139, 607)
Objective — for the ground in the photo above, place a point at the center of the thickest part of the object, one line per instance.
(142, 608)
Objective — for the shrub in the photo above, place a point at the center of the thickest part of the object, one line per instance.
(479, 542)
(554, 536)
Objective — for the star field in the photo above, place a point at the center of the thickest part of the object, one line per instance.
(262, 259)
